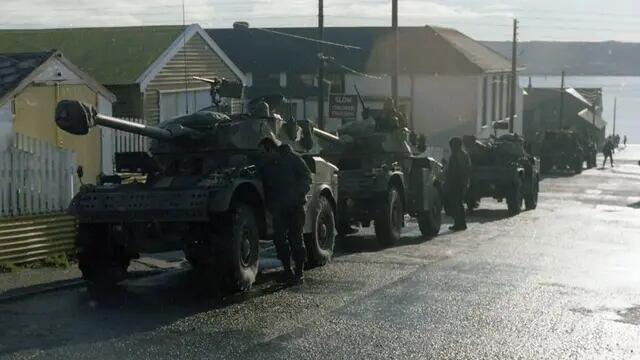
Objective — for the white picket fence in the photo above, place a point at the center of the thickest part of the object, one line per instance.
(128, 142)
(35, 178)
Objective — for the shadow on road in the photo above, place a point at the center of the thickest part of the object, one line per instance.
(84, 315)
(482, 216)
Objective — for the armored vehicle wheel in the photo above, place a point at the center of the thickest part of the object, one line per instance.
(430, 221)
(102, 262)
(321, 241)
(238, 249)
(531, 200)
(514, 198)
(577, 166)
(388, 221)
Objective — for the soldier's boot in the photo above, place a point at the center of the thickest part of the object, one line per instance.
(287, 274)
(298, 275)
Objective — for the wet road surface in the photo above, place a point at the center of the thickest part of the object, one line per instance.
(559, 282)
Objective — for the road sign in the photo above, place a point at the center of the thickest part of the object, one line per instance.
(343, 106)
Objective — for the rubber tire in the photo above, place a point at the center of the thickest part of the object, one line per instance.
(531, 201)
(577, 167)
(430, 221)
(514, 199)
(319, 251)
(102, 263)
(239, 274)
(386, 233)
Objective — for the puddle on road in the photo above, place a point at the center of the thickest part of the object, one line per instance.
(629, 315)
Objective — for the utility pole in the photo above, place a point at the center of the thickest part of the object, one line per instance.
(514, 75)
(561, 112)
(396, 55)
(321, 65)
(615, 111)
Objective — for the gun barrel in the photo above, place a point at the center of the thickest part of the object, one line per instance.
(326, 136)
(77, 118)
(135, 128)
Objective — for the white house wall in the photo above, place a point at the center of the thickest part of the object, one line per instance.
(6, 125)
(57, 71)
(106, 138)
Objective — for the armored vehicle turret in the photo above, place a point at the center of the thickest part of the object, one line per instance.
(201, 192)
(381, 179)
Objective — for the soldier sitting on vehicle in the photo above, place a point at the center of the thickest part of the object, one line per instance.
(286, 179)
(390, 119)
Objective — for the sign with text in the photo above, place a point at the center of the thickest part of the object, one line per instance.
(343, 106)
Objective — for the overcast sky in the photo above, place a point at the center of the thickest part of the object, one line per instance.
(583, 20)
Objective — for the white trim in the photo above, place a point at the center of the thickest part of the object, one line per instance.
(218, 50)
(87, 80)
(164, 58)
(183, 90)
(169, 53)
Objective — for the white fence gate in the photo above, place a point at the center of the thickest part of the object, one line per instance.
(35, 178)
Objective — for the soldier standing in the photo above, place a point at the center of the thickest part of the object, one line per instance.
(607, 150)
(458, 178)
(286, 179)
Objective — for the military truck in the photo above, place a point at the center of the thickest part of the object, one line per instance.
(561, 150)
(381, 180)
(502, 168)
(201, 193)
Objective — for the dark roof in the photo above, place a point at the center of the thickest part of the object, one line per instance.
(15, 67)
(112, 56)
(423, 50)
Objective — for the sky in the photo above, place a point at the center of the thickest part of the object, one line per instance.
(559, 20)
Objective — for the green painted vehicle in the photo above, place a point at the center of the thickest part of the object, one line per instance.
(200, 192)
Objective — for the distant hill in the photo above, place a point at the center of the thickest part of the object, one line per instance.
(577, 58)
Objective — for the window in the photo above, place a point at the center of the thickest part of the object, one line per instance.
(307, 79)
(485, 98)
(180, 103)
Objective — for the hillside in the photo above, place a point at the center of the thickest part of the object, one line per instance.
(577, 58)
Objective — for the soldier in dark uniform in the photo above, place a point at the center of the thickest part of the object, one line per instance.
(287, 180)
(391, 118)
(607, 151)
(458, 178)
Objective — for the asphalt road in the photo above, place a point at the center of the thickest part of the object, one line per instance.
(559, 282)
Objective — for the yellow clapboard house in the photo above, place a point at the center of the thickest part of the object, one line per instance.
(31, 84)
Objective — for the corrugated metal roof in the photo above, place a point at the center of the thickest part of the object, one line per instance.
(423, 50)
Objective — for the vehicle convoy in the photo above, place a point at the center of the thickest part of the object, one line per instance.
(381, 180)
(563, 150)
(502, 169)
(201, 193)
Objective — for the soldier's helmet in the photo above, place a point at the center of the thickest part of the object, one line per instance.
(261, 109)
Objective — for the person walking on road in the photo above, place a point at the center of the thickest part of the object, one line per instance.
(458, 177)
(287, 180)
(607, 151)
(624, 141)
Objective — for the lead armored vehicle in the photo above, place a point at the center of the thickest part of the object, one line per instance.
(381, 179)
(201, 192)
(502, 168)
